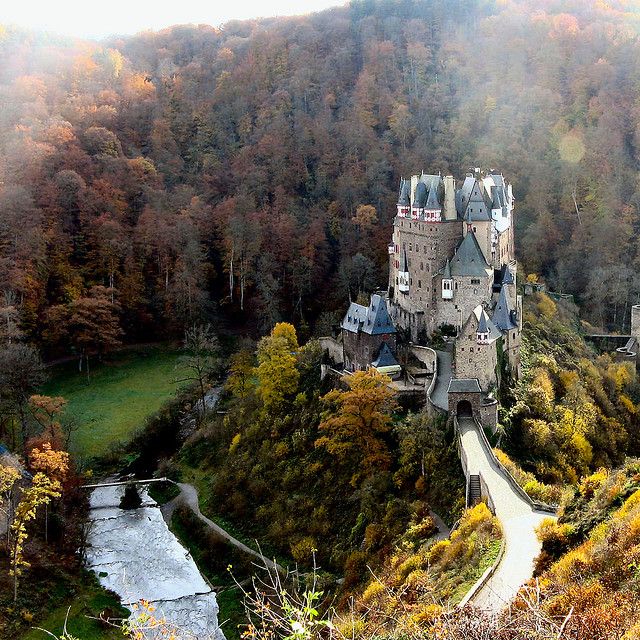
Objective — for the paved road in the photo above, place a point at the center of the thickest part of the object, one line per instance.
(518, 521)
(440, 389)
(189, 496)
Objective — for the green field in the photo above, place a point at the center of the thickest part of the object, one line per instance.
(121, 394)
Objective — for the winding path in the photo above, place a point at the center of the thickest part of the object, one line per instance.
(440, 390)
(189, 496)
(519, 521)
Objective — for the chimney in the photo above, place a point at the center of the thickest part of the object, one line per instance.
(450, 212)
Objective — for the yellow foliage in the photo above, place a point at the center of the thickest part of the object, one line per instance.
(235, 442)
(627, 403)
(573, 564)
(303, 550)
(629, 505)
(437, 550)
(374, 591)
(591, 483)
(546, 306)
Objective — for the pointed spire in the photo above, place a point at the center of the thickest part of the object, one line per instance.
(403, 197)
(405, 262)
(447, 270)
(502, 316)
(482, 323)
(432, 201)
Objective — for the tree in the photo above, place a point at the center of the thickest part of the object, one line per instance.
(91, 323)
(41, 492)
(8, 478)
(240, 372)
(356, 421)
(55, 465)
(202, 360)
(276, 371)
(21, 373)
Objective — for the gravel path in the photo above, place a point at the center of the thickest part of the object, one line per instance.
(518, 521)
(189, 496)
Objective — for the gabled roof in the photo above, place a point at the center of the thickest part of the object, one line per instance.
(374, 319)
(385, 357)
(462, 195)
(502, 315)
(478, 205)
(469, 260)
(403, 196)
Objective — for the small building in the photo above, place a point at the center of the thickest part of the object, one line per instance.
(368, 336)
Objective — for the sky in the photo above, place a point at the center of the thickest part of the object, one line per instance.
(101, 18)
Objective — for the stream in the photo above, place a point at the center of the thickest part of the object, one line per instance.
(134, 554)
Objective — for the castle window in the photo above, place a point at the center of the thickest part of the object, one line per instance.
(461, 348)
(422, 266)
(419, 284)
(475, 280)
(471, 349)
(425, 248)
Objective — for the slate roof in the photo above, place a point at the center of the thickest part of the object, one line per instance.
(478, 205)
(446, 274)
(373, 319)
(468, 259)
(464, 385)
(462, 195)
(385, 357)
(502, 314)
(507, 277)
(420, 196)
(485, 325)
(403, 196)
(432, 201)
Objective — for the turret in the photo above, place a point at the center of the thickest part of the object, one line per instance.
(403, 274)
(482, 333)
(447, 282)
(404, 203)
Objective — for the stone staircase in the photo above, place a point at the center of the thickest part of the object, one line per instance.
(474, 492)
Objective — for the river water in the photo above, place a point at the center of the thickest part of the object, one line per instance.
(134, 553)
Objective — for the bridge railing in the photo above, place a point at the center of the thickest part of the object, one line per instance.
(535, 504)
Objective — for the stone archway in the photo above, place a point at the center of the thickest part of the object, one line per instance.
(464, 409)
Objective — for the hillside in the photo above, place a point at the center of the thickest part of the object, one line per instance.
(201, 171)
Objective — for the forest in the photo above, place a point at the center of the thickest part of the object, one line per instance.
(249, 174)
(236, 187)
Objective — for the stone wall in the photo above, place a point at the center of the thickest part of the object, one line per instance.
(360, 349)
(333, 348)
(467, 295)
(473, 360)
(428, 245)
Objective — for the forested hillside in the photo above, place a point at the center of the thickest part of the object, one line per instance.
(163, 178)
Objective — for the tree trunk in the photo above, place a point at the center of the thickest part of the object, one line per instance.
(231, 275)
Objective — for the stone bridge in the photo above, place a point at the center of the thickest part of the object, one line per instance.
(519, 515)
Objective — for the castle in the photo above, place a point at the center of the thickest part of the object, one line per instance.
(452, 270)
